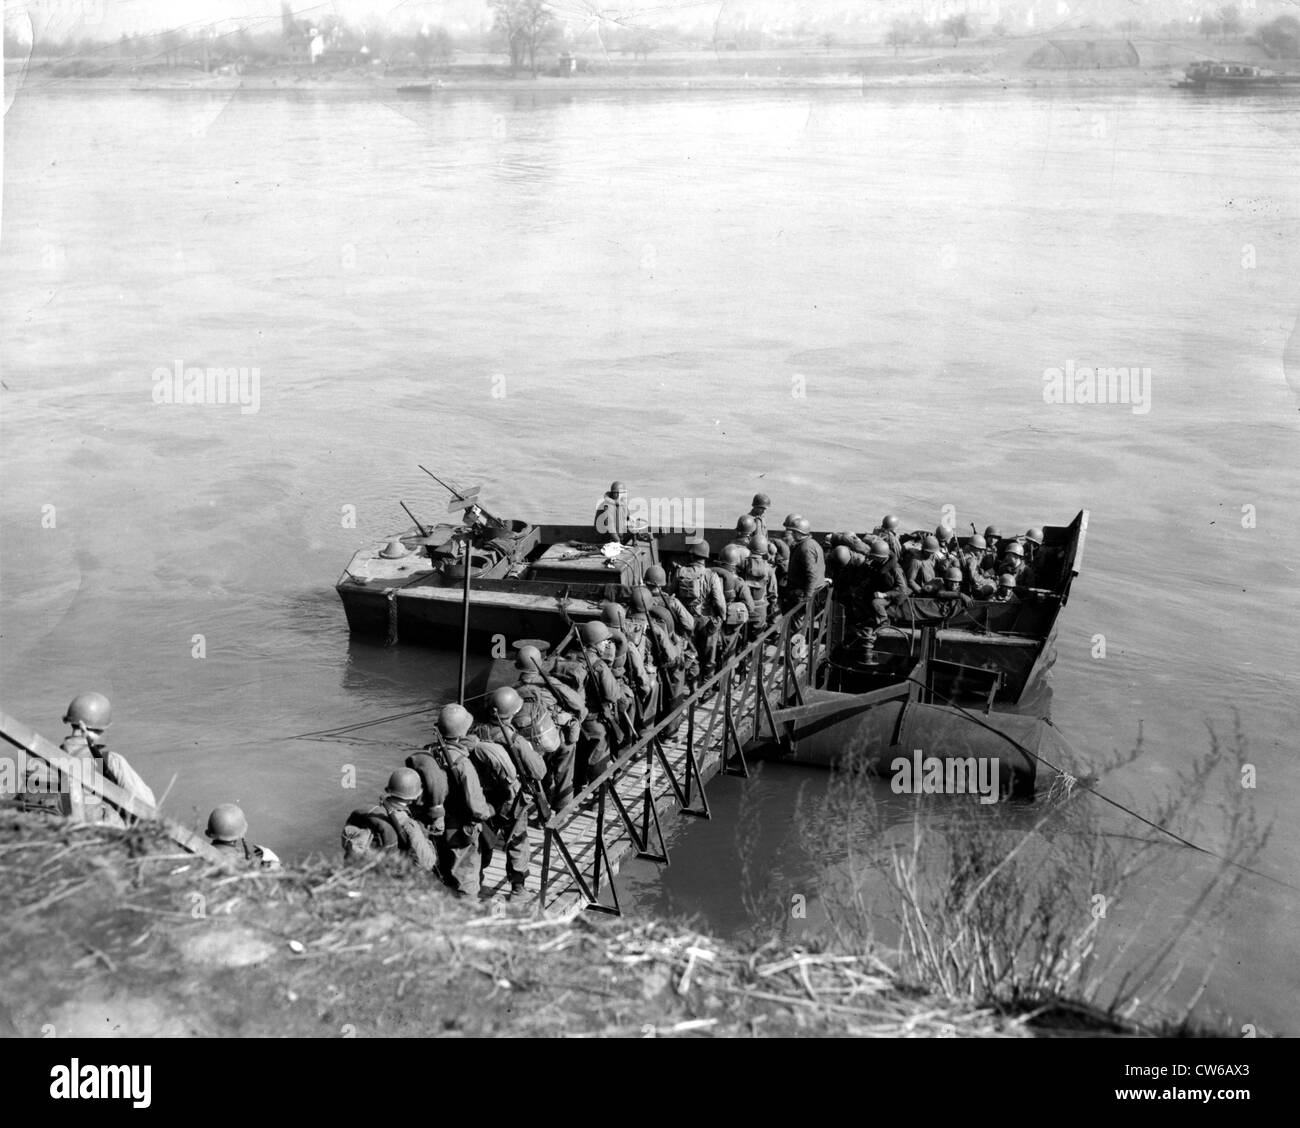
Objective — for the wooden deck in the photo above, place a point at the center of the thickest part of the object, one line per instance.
(653, 777)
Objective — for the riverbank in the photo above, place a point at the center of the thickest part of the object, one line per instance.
(120, 933)
(1026, 63)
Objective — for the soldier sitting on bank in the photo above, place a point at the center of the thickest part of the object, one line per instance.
(227, 828)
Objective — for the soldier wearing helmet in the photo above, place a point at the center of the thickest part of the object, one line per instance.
(650, 629)
(228, 830)
(807, 568)
(611, 521)
(509, 827)
(980, 580)
(993, 537)
(1006, 592)
(739, 603)
(90, 714)
(389, 826)
(887, 531)
(1013, 563)
(921, 573)
(701, 593)
(880, 585)
(1033, 544)
(758, 512)
(550, 718)
(606, 727)
(467, 807)
(759, 574)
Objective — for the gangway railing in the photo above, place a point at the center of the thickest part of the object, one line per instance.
(752, 685)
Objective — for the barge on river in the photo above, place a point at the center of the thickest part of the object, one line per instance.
(535, 581)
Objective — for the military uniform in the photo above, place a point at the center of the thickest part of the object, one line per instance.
(509, 826)
(807, 572)
(739, 606)
(412, 842)
(467, 808)
(567, 718)
(96, 761)
(921, 575)
(701, 594)
(602, 728)
(882, 585)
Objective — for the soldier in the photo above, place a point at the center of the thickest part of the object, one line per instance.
(1033, 542)
(951, 595)
(759, 574)
(662, 651)
(611, 521)
(90, 714)
(921, 575)
(993, 537)
(758, 511)
(807, 570)
(1013, 563)
(881, 585)
(388, 826)
(467, 807)
(227, 828)
(605, 728)
(700, 592)
(550, 718)
(663, 602)
(642, 660)
(977, 569)
(510, 827)
(1006, 592)
(888, 532)
(746, 527)
(628, 666)
(738, 602)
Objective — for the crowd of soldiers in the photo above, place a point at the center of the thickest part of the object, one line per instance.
(474, 789)
(75, 786)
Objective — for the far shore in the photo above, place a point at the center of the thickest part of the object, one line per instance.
(38, 80)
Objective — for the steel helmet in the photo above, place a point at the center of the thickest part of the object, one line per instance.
(505, 702)
(404, 784)
(656, 576)
(454, 721)
(993, 531)
(227, 823)
(746, 525)
(528, 658)
(616, 488)
(611, 613)
(943, 533)
(840, 555)
(758, 544)
(640, 599)
(802, 526)
(1015, 548)
(732, 554)
(930, 544)
(790, 520)
(880, 549)
(90, 709)
(1006, 580)
(701, 549)
(977, 541)
(1035, 534)
(889, 521)
(593, 633)
(761, 501)
(953, 574)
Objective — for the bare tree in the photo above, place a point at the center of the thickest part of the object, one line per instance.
(899, 35)
(526, 26)
(958, 27)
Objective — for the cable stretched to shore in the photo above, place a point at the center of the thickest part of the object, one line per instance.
(1106, 798)
(344, 730)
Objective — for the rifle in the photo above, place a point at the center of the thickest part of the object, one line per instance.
(609, 708)
(560, 693)
(526, 781)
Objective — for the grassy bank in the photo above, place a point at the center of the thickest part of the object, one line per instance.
(119, 933)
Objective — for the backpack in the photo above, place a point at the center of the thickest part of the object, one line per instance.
(690, 584)
(496, 772)
(534, 721)
(433, 775)
(737, 612)
(368, 831)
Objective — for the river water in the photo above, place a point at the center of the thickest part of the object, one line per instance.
(847, 300)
